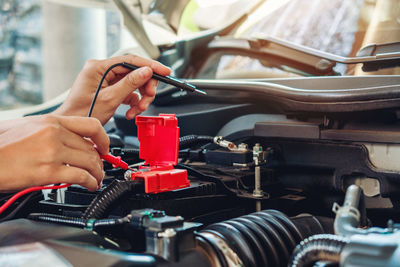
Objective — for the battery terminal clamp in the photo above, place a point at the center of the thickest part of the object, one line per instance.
(159, 147)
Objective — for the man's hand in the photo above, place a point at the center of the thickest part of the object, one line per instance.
(48, 149)
(118, 87)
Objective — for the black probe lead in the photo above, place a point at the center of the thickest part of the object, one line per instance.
(166, 79)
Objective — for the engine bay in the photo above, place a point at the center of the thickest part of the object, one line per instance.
(262, 189)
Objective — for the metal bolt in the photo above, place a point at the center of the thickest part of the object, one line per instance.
(128, 175)
(258, 157)
(323, 64)
(257, 182)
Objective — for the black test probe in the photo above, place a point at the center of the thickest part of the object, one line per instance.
(169, 80)
(165, 79)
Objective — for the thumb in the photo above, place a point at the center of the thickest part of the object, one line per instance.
(132, 81)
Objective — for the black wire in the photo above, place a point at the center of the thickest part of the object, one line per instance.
(206, 177)
(99, 87)
(7, 197)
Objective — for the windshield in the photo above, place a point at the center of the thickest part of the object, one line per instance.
(334, 26)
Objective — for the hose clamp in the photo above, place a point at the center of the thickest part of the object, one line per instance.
(347, 210)
(90, 224)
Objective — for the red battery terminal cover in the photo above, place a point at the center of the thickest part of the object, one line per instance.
(159, 147)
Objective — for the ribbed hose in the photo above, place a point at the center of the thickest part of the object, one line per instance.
(265, 238)
(76, 222)
(318, 248)
(59, 219)
(102, 202)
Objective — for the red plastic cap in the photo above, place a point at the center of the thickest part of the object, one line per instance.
(159, 139)
(159, 147)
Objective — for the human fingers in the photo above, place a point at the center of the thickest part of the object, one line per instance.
(132, 101)
(87, 127)
(118, 92)
(156, 66)
(148, 92)
(75, 141)
(87, 160)
(74, 175)
(132, 112)
(140, 104)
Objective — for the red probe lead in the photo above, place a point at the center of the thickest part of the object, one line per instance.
(26, 191)
(115, 161)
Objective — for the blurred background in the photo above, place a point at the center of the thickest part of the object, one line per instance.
(64, 34)
(44, 43)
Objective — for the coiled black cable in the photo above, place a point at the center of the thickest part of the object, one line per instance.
(112, 193)
(318, 248)
(265, 238)
(70, 221)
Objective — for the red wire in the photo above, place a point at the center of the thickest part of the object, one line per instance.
(26, 191)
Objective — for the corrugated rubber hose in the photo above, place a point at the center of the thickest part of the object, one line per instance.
(318, 248)
(112, 193)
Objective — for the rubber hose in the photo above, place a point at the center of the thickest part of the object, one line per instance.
(265, 238)
(101, 203)
(323, 247)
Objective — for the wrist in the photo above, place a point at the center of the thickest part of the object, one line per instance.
(65, 110)
(8, 124)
